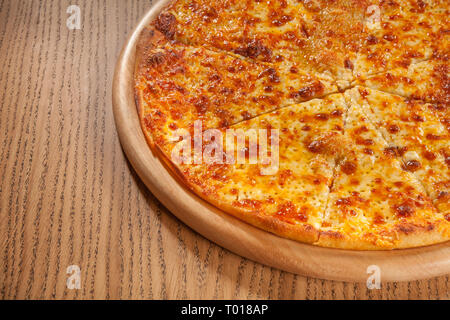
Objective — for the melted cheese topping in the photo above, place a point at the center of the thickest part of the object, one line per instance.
(372, 196)
(415, 133)
(428, 81)
(181, 83)
(408, 32)
(311, 35)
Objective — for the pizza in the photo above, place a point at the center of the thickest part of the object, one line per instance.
(324, 122)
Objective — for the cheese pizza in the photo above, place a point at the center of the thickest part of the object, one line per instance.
(324, 122)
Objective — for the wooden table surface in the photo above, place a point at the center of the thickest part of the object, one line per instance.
(68, 196)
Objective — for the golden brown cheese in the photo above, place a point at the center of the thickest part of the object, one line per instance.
(311, 36)
(373, 201)
(179, 84)
(428, 81)
(403, 33)
(414, 133)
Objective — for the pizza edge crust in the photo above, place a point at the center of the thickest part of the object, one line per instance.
(410, 237)
(406, 236)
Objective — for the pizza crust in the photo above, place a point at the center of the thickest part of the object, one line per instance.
(404, 236)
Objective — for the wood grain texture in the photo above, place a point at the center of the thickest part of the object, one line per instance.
(69, 197)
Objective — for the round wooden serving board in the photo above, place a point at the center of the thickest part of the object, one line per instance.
(237, 236)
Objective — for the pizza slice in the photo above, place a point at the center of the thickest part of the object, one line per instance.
(415, 133)
(428, 81)
(401, 33)
(316, 36)
(177, 84)
(283, 191)
(375, 204)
